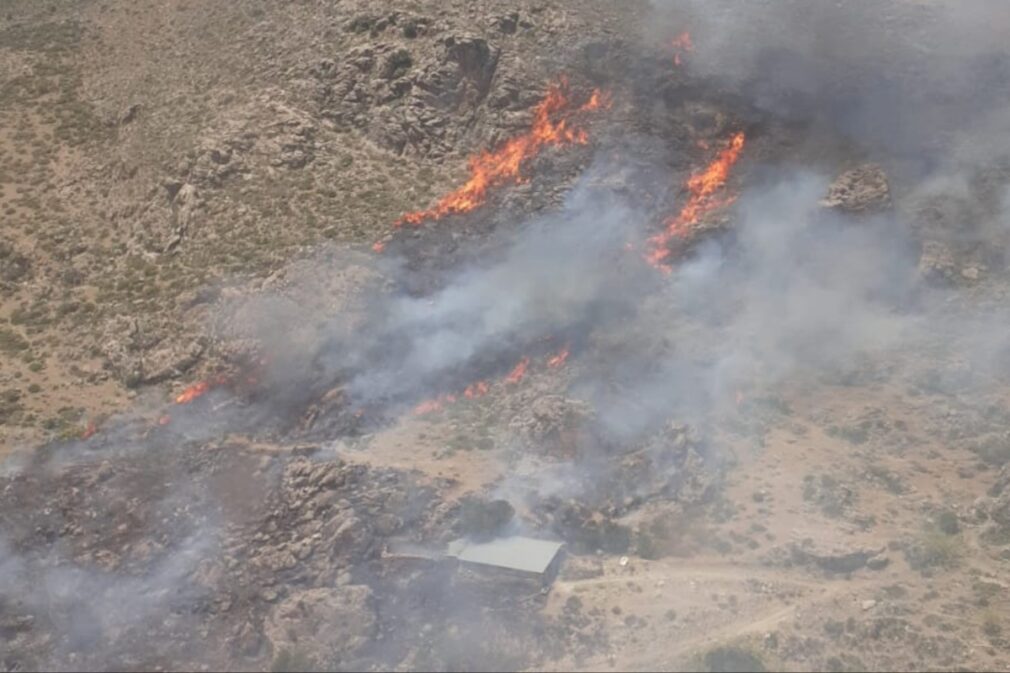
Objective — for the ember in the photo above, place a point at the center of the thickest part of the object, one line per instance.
(433, 405)
(90, 430)
(551, 126)
(702, 188)
(681, 44)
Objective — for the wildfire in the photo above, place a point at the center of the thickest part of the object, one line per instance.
(433, 405)
(202, 388)
(192, 392)
(89, 430)
(482, 388)
(471, 392)
(702, 199)
(474, 390)
(681, 44)
(558, 359)
(551, 126)
(518, 372)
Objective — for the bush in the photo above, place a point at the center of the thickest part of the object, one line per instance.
(292, 661)
(730, 659)
(934, 549)
(12, 342)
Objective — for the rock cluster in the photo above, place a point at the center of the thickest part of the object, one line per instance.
(863, 190)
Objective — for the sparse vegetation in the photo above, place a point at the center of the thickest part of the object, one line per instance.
(293, 661)
(832, 496)
(11, 342)
(736, 658)
(934, 549)
(854, 434)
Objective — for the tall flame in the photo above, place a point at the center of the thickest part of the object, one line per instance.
(551, 126)
(702, 199)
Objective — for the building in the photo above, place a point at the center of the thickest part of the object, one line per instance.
(518, 555)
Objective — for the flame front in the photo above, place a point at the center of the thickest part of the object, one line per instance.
(482, 388)
(551, 126)
(433, 405)
(702, 188)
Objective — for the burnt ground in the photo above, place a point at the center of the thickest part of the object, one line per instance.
(171, 168)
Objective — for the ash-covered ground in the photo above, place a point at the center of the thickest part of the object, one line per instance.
(714, 293)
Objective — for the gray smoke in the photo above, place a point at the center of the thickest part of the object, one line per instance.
(791, 293)
(562, 273)
(908, 77)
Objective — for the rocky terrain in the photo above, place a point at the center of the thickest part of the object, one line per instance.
(235, 377)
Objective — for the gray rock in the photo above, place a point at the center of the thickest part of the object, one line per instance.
(838, 560)
(864, 190)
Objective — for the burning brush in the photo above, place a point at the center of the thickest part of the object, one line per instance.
(704, 196)
(482, 388)
(552, 126)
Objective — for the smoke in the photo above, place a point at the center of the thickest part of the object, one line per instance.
(791, 292)
(561, 275)
(88, 608)
(909, 78)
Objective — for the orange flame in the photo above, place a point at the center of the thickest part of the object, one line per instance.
(681, 44)
(551, 126)
(378, 247)
(518, 372)
(192, 392)
(558, 359)
(480, 388)
(475, 390)
(201, 388)
(702, 188)
(90, 430)
(433, 405)
(164, 420)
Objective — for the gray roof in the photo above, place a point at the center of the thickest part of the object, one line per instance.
(516, 553)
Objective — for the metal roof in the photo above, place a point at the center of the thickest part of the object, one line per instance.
(516, 553)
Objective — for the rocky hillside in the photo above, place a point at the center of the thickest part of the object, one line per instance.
(157, 153)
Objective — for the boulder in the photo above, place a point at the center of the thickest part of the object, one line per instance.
(863, 190)
(553, 423)
(835, 560)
